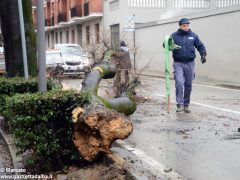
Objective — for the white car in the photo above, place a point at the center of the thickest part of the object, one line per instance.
(54, 61)
(75, 59)
(1, 50)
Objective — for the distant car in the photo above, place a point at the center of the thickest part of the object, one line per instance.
(54, 61)
(1, 50)
(75, 59)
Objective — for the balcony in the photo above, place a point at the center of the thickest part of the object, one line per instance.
(52, 21)
(86, 9)
(62, 17)
(48, 22)
(76, 11)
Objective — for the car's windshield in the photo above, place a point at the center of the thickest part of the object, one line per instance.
(53, 55)
(69, 50)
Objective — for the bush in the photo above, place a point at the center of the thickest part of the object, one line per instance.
(11, 86)
(42, 123)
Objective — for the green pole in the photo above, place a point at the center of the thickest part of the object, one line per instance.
(167, 71)
(169, 46)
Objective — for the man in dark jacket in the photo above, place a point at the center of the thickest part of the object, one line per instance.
(184, 63)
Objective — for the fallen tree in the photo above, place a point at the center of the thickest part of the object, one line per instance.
(98, 125)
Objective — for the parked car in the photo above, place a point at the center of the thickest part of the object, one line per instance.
(1, 50)
(75, 59)
(54, 61)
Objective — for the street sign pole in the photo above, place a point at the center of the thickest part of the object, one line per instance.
(134, 45)
(42, 82)
(22, 29)
(129, 26)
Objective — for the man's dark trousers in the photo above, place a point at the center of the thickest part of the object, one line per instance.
(183, 75)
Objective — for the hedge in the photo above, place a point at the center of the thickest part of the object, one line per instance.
(41, 123)
(11, 86)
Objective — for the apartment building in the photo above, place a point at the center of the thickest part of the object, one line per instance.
(215, 21)
(72, 21)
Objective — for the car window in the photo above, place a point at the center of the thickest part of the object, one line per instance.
(69, 50)
(53, 58)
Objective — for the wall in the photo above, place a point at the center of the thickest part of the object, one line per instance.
(218, 29)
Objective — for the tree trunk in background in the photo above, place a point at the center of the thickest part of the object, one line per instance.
(30, 37)
(11, 37)
(10, 26)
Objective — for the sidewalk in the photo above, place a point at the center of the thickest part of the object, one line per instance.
(200, 80)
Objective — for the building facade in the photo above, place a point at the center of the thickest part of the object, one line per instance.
(72, 21)
(215, 21)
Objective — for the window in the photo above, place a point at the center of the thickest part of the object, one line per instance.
(60, 36)
(113, 5)
(97, 33)
(52, 37)
(192, 3)
(147, 3)
(67, 36)
(56, 36)
(88, 35)
(48, 37)
(73, 36)
(115, 37)
(79, 34)
(227, 3)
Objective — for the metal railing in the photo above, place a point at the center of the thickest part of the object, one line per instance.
(192, 3)
(147, 3)
(62, 17)
(76, 11)
(227, 3)
(86, 9)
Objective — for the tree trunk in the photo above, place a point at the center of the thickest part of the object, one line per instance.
(30, 37)
(11, 37)
(100, 124)
(10, 26)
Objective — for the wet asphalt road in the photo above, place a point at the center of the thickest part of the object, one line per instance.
(204, 144)
(201, 145)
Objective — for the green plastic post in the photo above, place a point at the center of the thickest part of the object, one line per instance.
(169, 46)
(167, 70)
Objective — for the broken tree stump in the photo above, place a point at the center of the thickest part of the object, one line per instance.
(97, 128)
(98, 125)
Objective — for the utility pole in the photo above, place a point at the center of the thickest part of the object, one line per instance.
(42, 82)
(22, 29)
(134, 45)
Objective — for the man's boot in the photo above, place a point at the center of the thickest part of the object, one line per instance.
(186, 109)
(179, 108)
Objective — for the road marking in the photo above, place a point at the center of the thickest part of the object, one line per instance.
(215, 87)
(209, 106)
(155, 165)
(218, 108)
(209, 86)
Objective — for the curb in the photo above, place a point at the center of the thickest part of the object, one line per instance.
(229, 85)
(16, 160)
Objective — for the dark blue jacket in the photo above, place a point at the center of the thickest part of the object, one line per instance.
(188, 41)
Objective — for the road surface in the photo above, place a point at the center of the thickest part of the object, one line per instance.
(204, 144)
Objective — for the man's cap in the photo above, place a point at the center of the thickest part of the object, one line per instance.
(183, 21)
